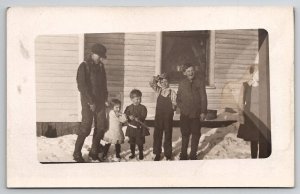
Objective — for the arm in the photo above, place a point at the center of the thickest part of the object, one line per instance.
(173, 99)
(179, 94)
(81, 83)
(153, 84)
(105, 86)
(143, 114)
(203, 97)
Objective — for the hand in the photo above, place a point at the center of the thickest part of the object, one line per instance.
(136, 119)
(131, 117)
(174, 107)
(202, 117)
(93, 107)
(107, 103)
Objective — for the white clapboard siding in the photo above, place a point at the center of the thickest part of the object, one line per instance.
(140, 64)
(57, 59)
(114, 43)
(235, 52)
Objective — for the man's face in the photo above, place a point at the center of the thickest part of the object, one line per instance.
(96, 58)
(136, 100)
(190, 73)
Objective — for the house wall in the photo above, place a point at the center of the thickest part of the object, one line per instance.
(131, 63)
(57, 58)
(235, 51)
(133, 58)
(114, 42)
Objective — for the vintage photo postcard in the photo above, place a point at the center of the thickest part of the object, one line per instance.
(150, 97)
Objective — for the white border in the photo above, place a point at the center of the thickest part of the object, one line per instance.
(23, 169)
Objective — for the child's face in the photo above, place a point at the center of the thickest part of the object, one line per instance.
(164, 83)
(136, 100)
(189, 73)
(117, 108)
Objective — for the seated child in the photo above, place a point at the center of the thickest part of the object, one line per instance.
(115, 135)
(165, 106)
(136, 115)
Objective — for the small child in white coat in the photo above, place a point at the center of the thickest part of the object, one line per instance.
(115, 135)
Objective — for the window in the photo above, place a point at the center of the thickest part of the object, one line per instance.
(185, 47)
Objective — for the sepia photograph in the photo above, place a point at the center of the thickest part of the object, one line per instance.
(150, 97)
(171, 95)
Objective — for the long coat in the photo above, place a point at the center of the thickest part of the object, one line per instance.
(249, 130)
(92, 84)
(192, 98)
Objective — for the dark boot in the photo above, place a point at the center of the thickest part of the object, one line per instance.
(185, 143)
(78, 157)
(141, 152)
(118, 150)
(132, 148)
(94, 155)
(254, 149)
(106, 149)
(194, 146)
(157, 157)
(79, 143)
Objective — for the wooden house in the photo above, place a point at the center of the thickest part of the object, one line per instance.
(222, 57)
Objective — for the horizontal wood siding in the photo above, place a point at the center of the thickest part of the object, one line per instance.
(114, 43)
(235, 52)
(57, 59)
(139, 63)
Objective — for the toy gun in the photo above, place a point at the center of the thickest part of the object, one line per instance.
(144, 127)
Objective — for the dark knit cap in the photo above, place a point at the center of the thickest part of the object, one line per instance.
(99, 49)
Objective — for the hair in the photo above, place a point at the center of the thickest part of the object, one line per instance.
(115, 102)
(186, 66)
(253, 68)
(135, 93)
(163, 76)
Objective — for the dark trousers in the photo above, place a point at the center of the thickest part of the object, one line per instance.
(132, 141)
(163, 124)
(254, 148)
(99, 117)
(188, 127)
(260, 147)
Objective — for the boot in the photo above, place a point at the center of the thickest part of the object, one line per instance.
(118, 150)
(94, 155)
(141, 152)
(78, 157)
(157, 157)
(132, 148)
(194, 146)
(106, 149)
(185, 143)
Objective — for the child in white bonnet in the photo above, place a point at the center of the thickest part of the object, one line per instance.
(115, 135)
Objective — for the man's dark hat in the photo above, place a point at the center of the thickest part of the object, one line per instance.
(99, 49)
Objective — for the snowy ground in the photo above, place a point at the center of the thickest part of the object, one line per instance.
(215, 143)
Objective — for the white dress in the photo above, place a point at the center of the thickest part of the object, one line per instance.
(115, 134)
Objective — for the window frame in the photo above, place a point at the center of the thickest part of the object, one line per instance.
(210, 53)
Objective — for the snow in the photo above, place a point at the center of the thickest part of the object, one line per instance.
(215, 143)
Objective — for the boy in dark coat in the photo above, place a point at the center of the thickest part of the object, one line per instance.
(192, 101)
(136, 113)
(92, 85)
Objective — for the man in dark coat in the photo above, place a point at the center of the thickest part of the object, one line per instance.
(192, 101)
(92, 85)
